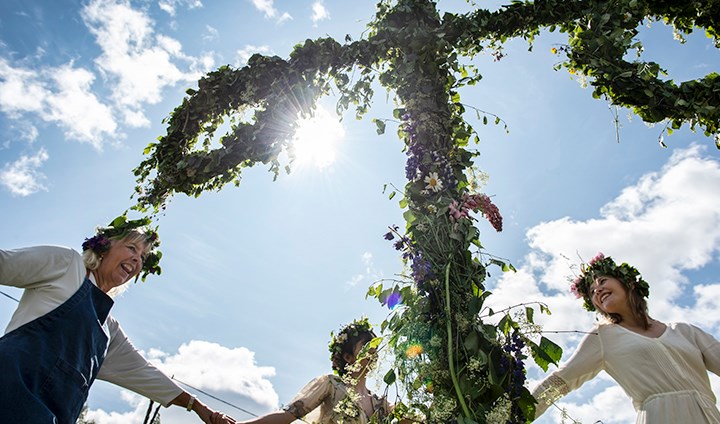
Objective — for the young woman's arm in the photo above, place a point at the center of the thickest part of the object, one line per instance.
(582, 366)
(305, 401)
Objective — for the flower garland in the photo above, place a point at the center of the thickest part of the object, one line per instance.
(337, 342)
(119, 228)
(600, 266)
(452, 371)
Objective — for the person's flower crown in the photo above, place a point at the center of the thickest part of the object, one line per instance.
(355, 328)
(600, 265)
(118, 229)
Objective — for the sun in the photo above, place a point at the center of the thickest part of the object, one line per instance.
(316, 139)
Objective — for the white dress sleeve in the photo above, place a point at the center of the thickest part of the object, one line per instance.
(709, 347)
(125, 367)
(34, 267)
(50, 275)
(310, 397)
(583, 365)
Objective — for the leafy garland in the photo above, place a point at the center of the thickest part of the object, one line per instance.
(453, 362)
(118, 229)
(602, 265)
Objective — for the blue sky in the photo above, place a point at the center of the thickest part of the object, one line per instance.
(255, 277)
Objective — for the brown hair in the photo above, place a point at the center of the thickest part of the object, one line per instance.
(348, 347)
(636, 301)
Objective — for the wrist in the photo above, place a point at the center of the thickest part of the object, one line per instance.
(191, 403)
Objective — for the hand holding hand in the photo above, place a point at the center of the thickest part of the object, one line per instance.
(220, 418)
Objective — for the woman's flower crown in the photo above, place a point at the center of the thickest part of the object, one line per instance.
(355, 328)
(118, 229)
(599, 266)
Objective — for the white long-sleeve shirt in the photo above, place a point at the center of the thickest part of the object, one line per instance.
(50, 275)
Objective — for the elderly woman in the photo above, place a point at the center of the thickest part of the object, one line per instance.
(62, 336)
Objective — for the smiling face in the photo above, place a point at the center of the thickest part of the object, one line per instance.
(121, 263)
(609, 295)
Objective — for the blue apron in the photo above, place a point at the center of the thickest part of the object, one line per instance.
(48, 364)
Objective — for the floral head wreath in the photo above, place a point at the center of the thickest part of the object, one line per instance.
(600, 265)
(355, 328)
(118, 229)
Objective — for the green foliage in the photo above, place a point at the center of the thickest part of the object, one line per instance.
(455, 358)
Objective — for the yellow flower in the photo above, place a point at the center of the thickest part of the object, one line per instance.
(413, 351)
(553, 50)
(572, 71)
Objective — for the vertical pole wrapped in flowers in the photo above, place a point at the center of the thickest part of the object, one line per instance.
(452, 365)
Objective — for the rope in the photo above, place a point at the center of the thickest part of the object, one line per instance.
(215, 397)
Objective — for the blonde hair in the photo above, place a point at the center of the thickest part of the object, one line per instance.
(92, 260)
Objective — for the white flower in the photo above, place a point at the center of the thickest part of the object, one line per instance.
(433, 182)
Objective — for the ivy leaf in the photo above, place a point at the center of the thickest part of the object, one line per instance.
(529, 314)
(390, 377)
(380, 126)
(472, 342)
(545, 353)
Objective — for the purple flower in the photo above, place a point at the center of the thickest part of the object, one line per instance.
(389, 235)
(98, 244)
(421, 269)
(393, 300)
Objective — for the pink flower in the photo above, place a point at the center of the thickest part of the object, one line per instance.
(574, 288)
(599, 257)
(457, 211)
(476, 202)
(491, 212)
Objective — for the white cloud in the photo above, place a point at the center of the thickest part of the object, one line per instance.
(62, 95)
(21, 90)
(244, 55)
(23, 130)
(212, 33)
(610, 406)
(319, 12)
(284, 17)
(666, 224)
(82, 114)
(170, 6)
(138, 63)
(22, 177)
(206, 366)
(369, 273)
(268, 9)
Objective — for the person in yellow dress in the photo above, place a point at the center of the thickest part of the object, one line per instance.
(341, 397)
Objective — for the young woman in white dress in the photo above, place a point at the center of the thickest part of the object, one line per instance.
(662, 367)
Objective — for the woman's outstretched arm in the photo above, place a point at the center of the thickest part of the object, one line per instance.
(279, 417)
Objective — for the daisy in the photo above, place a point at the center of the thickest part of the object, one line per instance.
(433, 182)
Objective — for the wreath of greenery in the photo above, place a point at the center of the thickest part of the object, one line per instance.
(462, 367)
(118, 229)
(602, 266)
